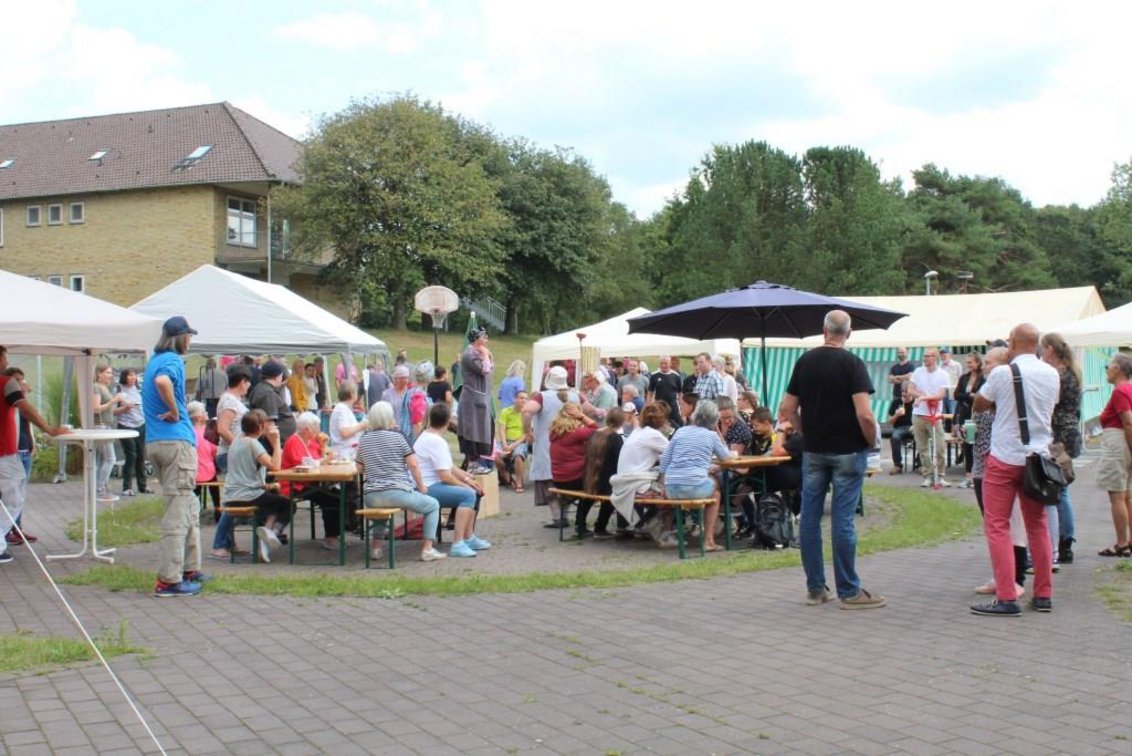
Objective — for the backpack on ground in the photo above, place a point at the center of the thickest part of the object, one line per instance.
(774, 523)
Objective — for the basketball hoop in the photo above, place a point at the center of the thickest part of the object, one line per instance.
(436, 302)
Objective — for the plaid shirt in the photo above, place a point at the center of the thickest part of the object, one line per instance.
(709, 385)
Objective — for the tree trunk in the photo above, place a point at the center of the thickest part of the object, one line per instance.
(511, 328)
(399, 314)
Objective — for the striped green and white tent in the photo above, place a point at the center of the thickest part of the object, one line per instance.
(964, 322)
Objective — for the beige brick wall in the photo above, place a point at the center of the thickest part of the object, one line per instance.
(130, 245)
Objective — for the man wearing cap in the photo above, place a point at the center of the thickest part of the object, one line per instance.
(171, 445)
(268, 396)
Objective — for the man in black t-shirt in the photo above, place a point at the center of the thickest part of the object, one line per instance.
(829, 392)
(665, 385)
(899, 375)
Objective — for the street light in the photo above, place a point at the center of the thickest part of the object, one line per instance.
(928, 281)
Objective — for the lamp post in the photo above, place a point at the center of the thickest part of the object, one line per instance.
(928, 281)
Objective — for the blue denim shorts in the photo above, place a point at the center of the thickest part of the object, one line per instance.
(703, 490)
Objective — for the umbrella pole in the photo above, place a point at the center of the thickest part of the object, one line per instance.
(762, 357)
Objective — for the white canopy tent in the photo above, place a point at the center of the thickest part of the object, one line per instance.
(966, 319)
(43, 319)
(234, 313)
(612, 337)
(1108, 329)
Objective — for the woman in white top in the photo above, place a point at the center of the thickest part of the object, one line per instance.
(344, 426)
(449, 485)
(131, 418)
(106, 406)
(230, 410)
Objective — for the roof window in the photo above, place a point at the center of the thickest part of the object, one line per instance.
(192, 158)
(98, 155)
(7, 163)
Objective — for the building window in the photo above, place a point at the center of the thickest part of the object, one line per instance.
(78, 283)
(78, 212)
(54, 215)
(1, 227)
(35, 215)
(55, 280)
(241, 222)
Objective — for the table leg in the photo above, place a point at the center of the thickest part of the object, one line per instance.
(724, 485)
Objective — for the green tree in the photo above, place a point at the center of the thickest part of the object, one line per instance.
(977, 224)
(559, 230)
(856, 224)
(399, 191)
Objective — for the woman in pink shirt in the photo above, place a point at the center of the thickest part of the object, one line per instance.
(206, 454)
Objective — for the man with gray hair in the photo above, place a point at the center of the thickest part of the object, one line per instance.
(830, 388)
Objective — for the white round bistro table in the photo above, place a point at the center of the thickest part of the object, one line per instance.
(88, 438)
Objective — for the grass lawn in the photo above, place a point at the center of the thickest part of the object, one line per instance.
(24, 652)
(1116, 591)
(418, 345)
(134, 522)
(918, 519)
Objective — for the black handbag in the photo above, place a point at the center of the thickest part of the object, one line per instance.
(1043, 479)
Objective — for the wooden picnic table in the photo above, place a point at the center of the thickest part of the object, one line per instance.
(322, 476)
(742, 463)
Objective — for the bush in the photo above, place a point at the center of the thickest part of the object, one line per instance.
(45, 462)
(53, 399)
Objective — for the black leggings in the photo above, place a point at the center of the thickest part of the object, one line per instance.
(268, 504)
(134, 466)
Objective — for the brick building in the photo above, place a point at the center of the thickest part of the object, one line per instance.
(120, 205)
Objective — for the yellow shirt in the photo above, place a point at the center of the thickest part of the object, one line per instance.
(511, 420)
(298, 391)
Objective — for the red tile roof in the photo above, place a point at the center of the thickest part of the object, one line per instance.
(142, 149)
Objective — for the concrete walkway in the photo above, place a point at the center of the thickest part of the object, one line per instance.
(731, 665)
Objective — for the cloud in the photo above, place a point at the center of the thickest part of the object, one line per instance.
(350, 31)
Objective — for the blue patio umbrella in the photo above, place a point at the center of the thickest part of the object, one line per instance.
(761, 309)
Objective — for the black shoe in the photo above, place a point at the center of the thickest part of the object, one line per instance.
(1065, 550)
(1039, 604)
(998, 609)
(581, 533)
(557, 524)
(283, 538)
(602, 535)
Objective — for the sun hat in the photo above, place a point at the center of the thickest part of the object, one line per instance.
(556, 378)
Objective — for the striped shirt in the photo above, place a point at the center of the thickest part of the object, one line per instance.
(383, 453)
(686, 460)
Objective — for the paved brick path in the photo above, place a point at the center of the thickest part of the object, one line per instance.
(732, 665)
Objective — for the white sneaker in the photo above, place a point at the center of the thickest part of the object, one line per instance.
(668, 541)
(944, 483)
(926, 483)
(265, 543)
(107, 496)
(375, 553)
(432, 555)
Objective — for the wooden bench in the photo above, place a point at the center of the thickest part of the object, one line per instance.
(203, 492)
(241, 511)
(378, 514)
(679, 505)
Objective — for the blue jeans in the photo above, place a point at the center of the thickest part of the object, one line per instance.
(1066, 530)
(847, 473)
(452, 496)
(25, 460)
(414, 501)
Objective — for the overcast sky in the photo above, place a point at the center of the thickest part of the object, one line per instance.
(1032, 92)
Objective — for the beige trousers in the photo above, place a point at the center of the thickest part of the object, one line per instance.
(920, 430)
(175, 464)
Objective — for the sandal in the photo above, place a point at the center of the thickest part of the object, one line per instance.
(713, 547)
(1117, 551)
(520, 489)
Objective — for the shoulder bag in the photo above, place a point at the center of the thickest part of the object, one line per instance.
(1043, 480)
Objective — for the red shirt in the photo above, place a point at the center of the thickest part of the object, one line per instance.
(293, 453)
(568, 454)
(11, 395)
(1120, 401)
